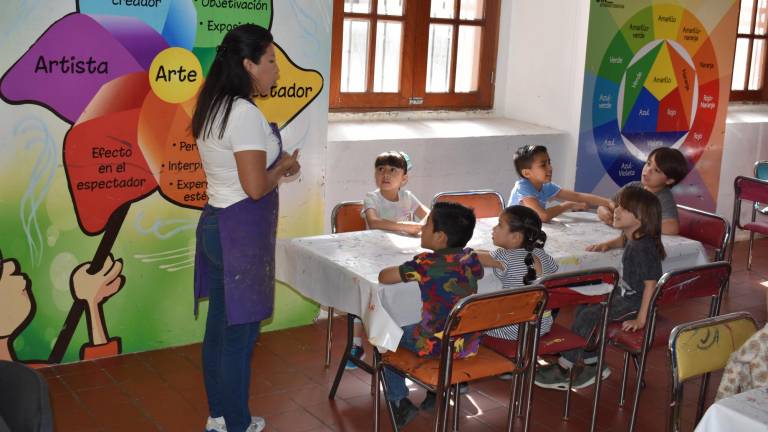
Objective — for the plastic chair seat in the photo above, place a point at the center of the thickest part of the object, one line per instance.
(634, 340)
(426, 369)
(758, 227)
(558, 339)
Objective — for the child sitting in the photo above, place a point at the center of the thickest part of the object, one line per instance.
(389, 208)
(638, 215)
(665, 168)
(535, 186)
(445, 276)
(519, 259)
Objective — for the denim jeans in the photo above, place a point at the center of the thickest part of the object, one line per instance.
(227, 349)
(586, 319)
(396, 388)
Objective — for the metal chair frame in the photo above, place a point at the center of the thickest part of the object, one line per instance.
(664, 285)
(559, 281)
(761, 173)
(444, 391)
(350, 317)
(736, 220)
(677, 384)
(444, 196)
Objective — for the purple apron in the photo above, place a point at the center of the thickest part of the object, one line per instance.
(247, 229)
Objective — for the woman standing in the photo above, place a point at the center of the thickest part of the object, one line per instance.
(234, 261)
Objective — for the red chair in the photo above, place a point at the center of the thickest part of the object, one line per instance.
(711, 230)
(559, 339)
(755, 191)
(485, 202)
(474, 313)
(708, 280)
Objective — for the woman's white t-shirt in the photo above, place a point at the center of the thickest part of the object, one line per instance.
(247, 129)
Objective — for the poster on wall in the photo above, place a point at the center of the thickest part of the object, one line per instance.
(657, 74)
(122, 77)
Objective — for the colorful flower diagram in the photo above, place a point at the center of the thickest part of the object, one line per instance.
(125, 74)
(653, 80)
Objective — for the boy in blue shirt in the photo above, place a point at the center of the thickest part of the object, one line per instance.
(535, 186)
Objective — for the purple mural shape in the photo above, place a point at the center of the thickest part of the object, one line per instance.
(67, 65)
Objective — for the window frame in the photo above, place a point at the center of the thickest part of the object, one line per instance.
(746, 95)
(413, 63)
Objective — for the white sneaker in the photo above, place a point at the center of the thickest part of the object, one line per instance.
(215, 424)
(257, 424)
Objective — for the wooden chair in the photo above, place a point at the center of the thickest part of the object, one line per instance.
(755, 191)
(559, 339)
(713, 231)
(699, 348)
(708, 280)
(485, 202)
(475, 313)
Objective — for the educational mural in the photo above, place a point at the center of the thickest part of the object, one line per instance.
(98, 219)
(657, 74)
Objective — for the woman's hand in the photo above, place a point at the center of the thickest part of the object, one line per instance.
(291, 163)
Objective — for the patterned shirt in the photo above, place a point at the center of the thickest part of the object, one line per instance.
(444, 278)
(511, 277)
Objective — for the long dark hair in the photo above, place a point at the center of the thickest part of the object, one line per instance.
(525, 220)
(227, 78)
(647, 209)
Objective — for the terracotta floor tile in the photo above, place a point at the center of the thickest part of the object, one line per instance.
(297, 420)
(90, 378)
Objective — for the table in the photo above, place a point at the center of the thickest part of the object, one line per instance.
(341, 270)
(743, 412)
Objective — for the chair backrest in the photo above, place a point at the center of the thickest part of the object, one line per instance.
(699, 348)
(346, 217)
(761, 170)
(750, 189)
(705, 345)
(708, 228)
(708, 280)
(485, 202)
(560, 286)
(480, 312)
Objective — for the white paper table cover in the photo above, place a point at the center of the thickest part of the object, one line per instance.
(341, 270)
(743, 412)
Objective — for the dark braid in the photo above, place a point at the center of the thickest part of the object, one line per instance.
(525, 220)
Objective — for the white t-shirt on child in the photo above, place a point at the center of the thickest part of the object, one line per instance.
(247, 129)
(402, 210)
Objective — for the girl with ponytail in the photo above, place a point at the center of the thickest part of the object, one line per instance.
(520, 258)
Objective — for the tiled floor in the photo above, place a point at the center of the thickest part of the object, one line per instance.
(163, 390)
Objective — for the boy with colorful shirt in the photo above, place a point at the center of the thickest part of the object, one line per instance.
(445, 276)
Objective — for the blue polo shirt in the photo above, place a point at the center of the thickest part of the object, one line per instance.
(524, 189)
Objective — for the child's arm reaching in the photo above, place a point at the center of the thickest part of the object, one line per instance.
(615, 243)
(375, 222)
(487, 260)
(390, 275)
(605, 214)
(593, 200)
(642, 315)
(547, 214)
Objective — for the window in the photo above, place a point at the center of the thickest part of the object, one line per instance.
(413, 54)
(749, 59)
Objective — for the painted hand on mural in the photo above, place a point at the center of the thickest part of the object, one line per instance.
(95, 289)
(16, 301)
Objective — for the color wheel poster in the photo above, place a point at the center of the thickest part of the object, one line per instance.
(658, 74)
